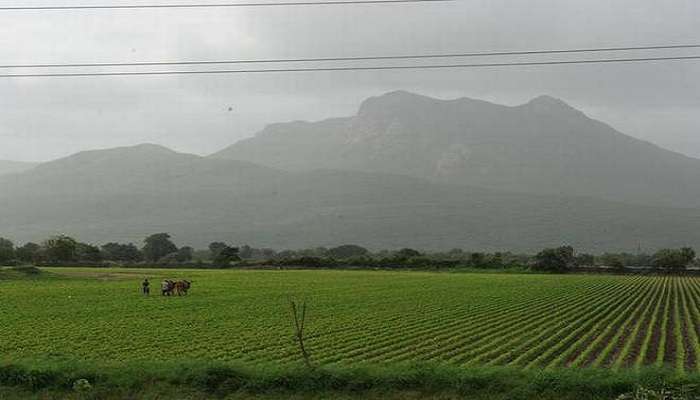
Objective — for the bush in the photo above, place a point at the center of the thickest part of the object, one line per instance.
(641, 393)
(27, 269)
(82, 386)
(218, 379)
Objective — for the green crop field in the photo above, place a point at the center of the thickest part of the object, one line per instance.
(355, 317)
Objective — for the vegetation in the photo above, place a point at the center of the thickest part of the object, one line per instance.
(490, 336)
(520, 321)
(420, 381)
(673, 259)
(161, 250)
(556, 260)
(158, 246)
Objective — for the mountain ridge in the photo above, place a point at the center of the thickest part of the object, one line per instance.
(201, 200)
(11, 167)
(541, 146)
(406, 170)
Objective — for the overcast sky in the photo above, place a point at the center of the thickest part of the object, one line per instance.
(46, 118)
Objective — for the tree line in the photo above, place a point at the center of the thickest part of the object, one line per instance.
(156, 249)
(159, 249)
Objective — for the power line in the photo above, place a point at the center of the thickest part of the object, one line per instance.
(211, 5)
(360, 58)
(368, 68)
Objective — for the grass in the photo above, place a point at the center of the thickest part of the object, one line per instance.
(377, 332)
(207, 380)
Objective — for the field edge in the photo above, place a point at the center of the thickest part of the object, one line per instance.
(206, 380)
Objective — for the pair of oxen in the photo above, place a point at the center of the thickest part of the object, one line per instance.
(170, 287)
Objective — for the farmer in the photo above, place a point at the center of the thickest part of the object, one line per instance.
(145, 285)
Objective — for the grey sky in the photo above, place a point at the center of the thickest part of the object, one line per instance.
(45, 118)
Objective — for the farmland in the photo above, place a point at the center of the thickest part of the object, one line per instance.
(378, 318)
(392, 334)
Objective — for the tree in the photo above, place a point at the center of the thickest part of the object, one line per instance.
(246, 252)
(347, 251)
(314, 252)
(121, 252)
(226, 256)
(477, 259)
(29, 252)
(7, 250)
(407, 253)
(584, 260)
(555, 260)
(87, 252)
(673, 259)
(496, 260)
(216, 247)
(268, 253)
(158, 246)
(617, 265)
(60, 248)
(184, 254)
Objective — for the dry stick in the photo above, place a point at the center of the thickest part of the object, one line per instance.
(299, 329)
(350, 343)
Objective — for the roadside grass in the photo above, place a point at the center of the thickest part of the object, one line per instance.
(210, 380)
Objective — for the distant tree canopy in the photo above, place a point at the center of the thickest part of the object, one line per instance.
(673, 259)
(59, 249)
(477, 259)
(559, 259)
(407, 253)
(216, 247)
(616, 262)
(7, 250)
(158, 246)
(88, 252)
(584, 260)
(347, 251)
(121, 252)
(620, 260)
(29, 252)
(227, 255)
(246, 252)
(184, 254)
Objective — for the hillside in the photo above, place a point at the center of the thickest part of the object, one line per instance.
(125, 193)
(10, 167)
(544, 146)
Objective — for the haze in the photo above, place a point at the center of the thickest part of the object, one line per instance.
(47, 118)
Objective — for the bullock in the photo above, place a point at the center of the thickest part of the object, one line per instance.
(167, 287)
(181, 287)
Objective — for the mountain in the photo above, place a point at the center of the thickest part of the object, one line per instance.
(126, 193)
(10, 167)
(544, 147)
